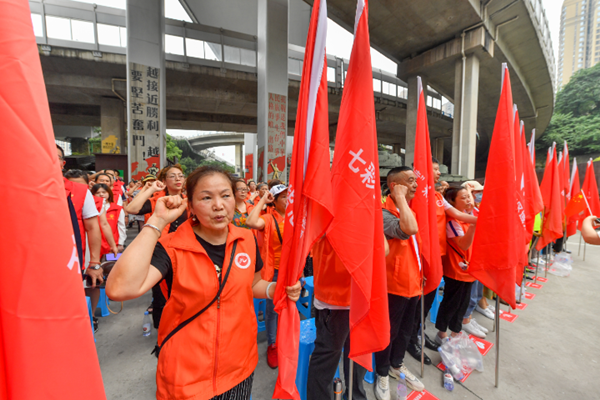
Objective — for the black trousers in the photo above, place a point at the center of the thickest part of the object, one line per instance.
(333, 336)
(453, 307)
(402, 315)
(558, 246)
(429, 297)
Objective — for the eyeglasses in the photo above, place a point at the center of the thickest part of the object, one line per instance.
(175, 177)
(242, 190)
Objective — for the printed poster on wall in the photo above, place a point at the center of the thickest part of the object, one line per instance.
(277, 135)
(144, 114)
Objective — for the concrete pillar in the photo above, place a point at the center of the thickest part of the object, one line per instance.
(146, 83)
(464, 143)
(272, 88)
(239, 160)
(438, 149)
(112, 123)
(411, 117)
(250, 156)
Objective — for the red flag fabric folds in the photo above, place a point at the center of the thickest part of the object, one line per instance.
(308, 211)
(533, 197)
(552, 221)
(356, 232)
(423, 204)
(590, 189)
(45, 352)
(497, 246)
(574, 193)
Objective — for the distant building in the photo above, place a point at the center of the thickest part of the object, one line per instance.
(579, 38)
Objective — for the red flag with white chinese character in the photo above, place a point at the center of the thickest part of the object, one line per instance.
(308, 210)
(47, 347)
(552, 220)
(356, 232)
(497, 245)
(590, 189)
(423, 204)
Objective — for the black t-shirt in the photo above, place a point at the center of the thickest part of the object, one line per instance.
(162, 261)
(147, 209)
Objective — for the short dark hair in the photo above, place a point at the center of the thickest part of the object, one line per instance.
(199, 173)
(260, 185)
(99, 186)
(452, 192)
(77, 173)
(395, 171)
(62, 151)
(102, 173)
(274, 182)
(434, 160)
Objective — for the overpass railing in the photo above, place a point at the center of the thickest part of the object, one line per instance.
(540, 21)
(100, 29)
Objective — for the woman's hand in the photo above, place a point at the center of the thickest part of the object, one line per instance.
(157, 186)
(268, 198)
(253, 196)
(293, 292)
(115, 250)
(167, 210)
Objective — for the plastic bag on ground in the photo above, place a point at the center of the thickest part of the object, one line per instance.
(461, 356)
(563, 258)
(560, 269)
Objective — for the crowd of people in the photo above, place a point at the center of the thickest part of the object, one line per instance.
(209, 243)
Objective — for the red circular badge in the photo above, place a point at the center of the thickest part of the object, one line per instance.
(242, 260)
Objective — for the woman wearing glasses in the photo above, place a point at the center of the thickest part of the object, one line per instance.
(241, 206)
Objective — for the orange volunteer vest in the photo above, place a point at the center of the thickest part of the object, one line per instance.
(402, 266)
(331, 278)
(217, 350)
(452, 258)
(153, 201)
(267, 252)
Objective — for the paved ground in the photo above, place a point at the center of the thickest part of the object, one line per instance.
(549, 352)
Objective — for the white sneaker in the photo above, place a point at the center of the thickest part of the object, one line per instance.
(382, 388)
(486, 312)
(411, 381)
(481, 328)
(439, 340)
(473, 330)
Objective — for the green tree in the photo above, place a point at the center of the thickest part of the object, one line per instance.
(576, 116)
(172, 149)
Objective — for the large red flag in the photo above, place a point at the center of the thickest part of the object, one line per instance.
(423, 204)
(566, 173)
(533, 197)
(497, 246)
(307, 213)
(574, 197)
(356, 232)
(590, 189)
(46, 352)
(561, 178)
(520, 193)
(552, 221)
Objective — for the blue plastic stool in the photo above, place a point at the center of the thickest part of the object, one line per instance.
(102, 304)
(436, 303)
(370, 376)
(308, 334)
(89, 306)
(308, 299)
(260, 305)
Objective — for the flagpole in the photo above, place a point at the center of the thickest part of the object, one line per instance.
(579, 251)
(497, 325)
(350, 387)
(584, 247)
(548, 250)
(423, 330)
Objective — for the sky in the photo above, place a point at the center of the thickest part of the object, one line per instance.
(339, 43)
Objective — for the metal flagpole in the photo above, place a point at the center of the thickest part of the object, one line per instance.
(584, 247)
(497, 324)
(548, 250)
(579, 251)
(351, 387)
(423, 330)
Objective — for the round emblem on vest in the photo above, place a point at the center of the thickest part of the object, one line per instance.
(440, 203)
(242, 260)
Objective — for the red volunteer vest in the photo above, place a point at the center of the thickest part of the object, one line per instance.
(440, 214)
(331, 278)
(452, 258)
(77, 192)
(112, 216)
(217, 350)
(402, 266)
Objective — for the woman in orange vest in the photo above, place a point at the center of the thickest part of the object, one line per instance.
(458, 282)
(207, 337)
(169, 183)
(241, 204)
(271, 225)
(115, 216)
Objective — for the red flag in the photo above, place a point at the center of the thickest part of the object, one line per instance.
(552, 220)
(356, 232)
(533, 197)
(574, 193)
(45, 352)
(307, 213)
(561, 177)
(565, 172)
(520, 193)
(531, 148)
(590, 189)
(497, 246)
(423, 204)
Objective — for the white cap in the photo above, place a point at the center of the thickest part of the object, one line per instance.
(475, 185)
(275, 190)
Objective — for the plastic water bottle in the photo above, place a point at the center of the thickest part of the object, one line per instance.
(146, 325)
(401, 392)
(337, 388)
(454, 369)
(448, 381)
